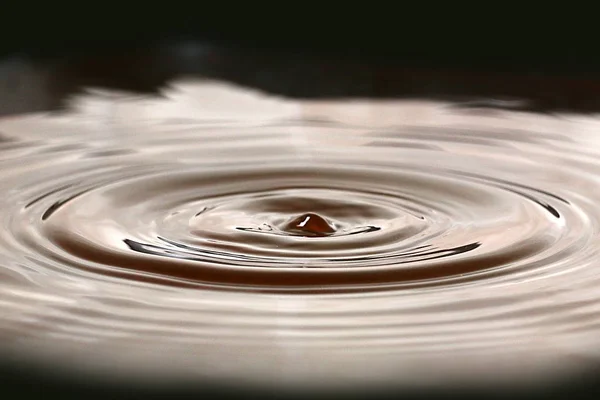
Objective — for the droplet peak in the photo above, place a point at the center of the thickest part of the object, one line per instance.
(311, 225)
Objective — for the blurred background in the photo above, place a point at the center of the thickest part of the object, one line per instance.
(355, 55)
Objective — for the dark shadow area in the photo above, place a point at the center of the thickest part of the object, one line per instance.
(25, 381)
(37, 82)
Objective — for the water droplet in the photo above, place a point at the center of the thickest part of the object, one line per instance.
(310, 225)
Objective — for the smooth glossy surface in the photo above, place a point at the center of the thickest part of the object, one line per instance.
(220, 232)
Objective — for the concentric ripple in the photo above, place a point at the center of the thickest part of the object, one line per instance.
(325, 228)
(258, 238)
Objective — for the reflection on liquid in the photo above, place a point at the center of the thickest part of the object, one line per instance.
(216, 231)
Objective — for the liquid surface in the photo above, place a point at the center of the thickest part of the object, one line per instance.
(253, 237)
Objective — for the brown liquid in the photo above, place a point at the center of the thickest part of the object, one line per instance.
(218, 232)
(310, 225)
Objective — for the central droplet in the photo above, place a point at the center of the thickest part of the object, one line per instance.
(310, 225)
